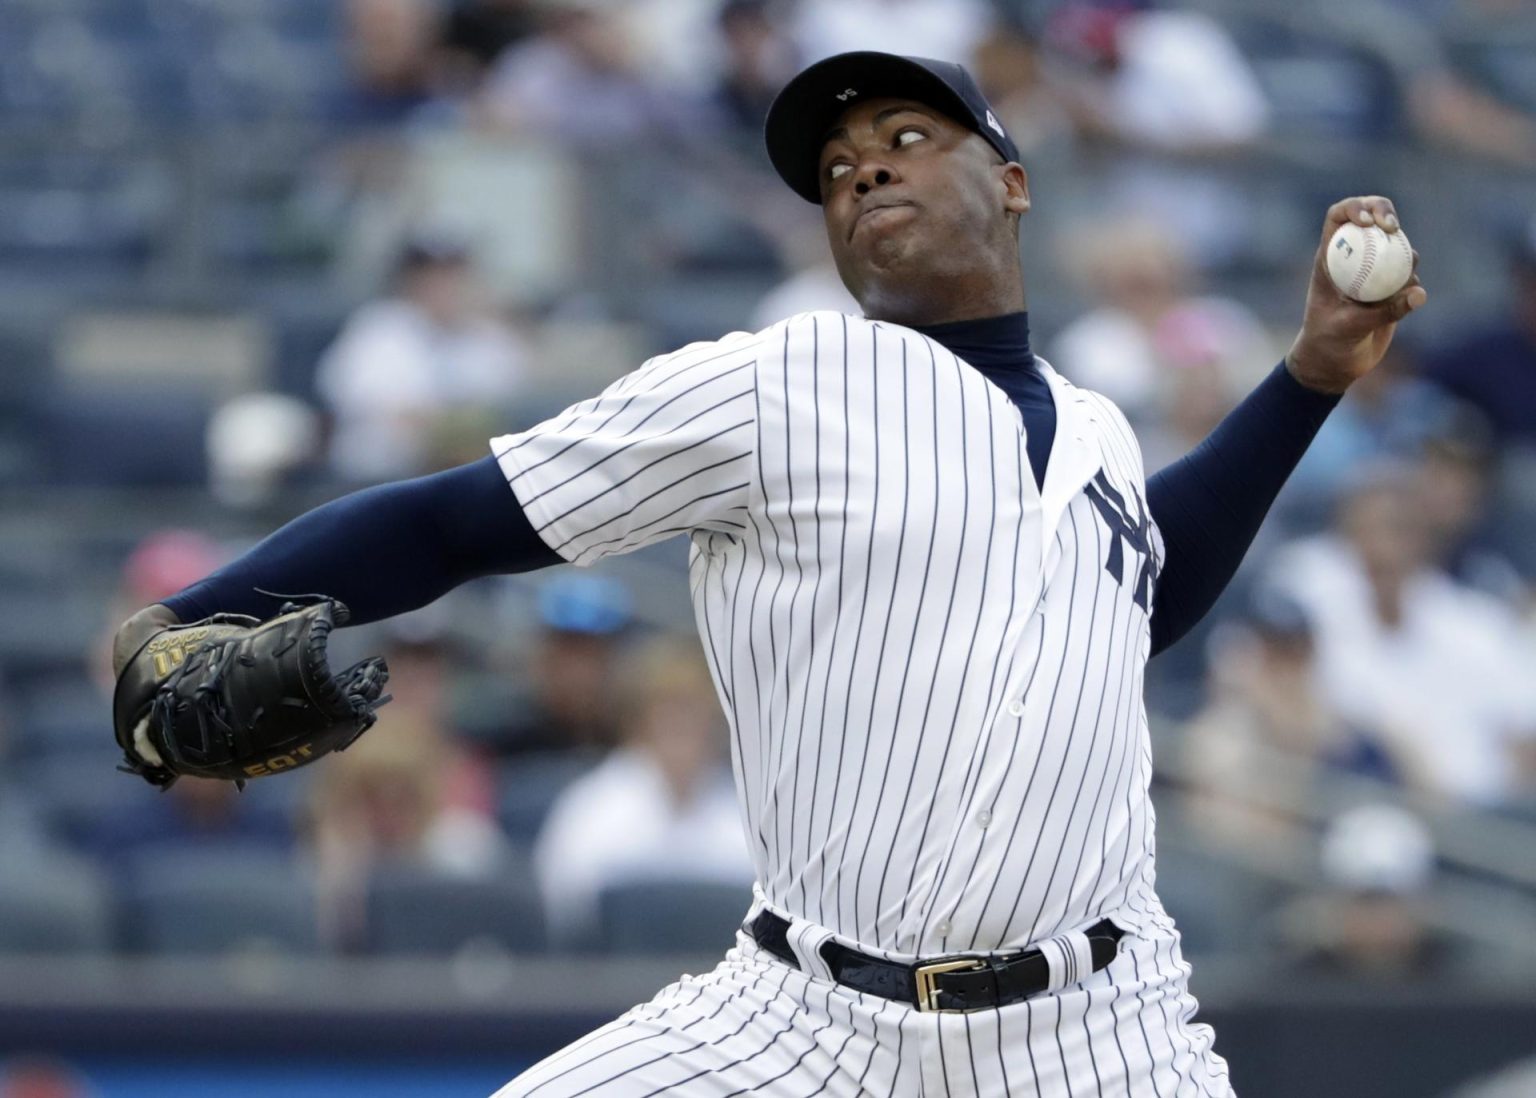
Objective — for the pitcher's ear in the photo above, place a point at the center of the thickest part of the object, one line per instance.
(1016, 180)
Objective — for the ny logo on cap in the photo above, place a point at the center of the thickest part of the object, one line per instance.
(992, 121)
(846, 94)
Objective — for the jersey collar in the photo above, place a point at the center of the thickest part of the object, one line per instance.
(1075, 454)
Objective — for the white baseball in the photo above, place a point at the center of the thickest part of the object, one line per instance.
(1367, 263)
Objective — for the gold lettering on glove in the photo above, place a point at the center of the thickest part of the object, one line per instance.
(169, 650)
(276, 763)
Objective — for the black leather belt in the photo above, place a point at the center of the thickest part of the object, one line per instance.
(954, 984)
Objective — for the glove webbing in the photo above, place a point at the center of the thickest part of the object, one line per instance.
(209, 703)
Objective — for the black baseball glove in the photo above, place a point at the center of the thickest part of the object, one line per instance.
(235, 698)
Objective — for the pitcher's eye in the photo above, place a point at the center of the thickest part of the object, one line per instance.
(838, 169)
(901, 138)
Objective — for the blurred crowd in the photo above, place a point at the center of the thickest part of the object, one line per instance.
(498, 206)
(586, 772)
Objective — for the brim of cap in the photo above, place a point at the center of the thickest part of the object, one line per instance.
(808, 106)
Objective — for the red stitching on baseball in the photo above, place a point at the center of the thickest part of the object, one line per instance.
(1367, 261)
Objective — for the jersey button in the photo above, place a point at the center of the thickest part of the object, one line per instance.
(943, 929)
(1016, 708)
(983, 818)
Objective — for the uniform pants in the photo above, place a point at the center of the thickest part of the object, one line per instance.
(755, 1025)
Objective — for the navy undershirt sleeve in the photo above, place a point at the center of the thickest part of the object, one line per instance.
(1210, 504)
(381, 551)
(396, 547)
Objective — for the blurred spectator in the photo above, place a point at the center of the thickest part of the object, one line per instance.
(1451, 111)
(662, 805)
(411, 369)
(1446, 104)
(582, 81)
(1369, 924)
(1437, 672)
(570, 673)
(1455, 479)
(1035, 101)
(421, 680)
(391, 46)
(678, 42)
(1388, 414)
(35, 1077)
(759, 60)
(385, 801)
(193, 813)
(476, 32)
(1257, 750)
(1170, 91)
(1170, 80)
(812, 283)
(945, 29)
(1495, 368)
(164, 562)
(1206, 360)
(159, 566)
(1144, 315)
(257, 444)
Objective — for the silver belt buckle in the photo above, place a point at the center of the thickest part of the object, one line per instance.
(927, 992)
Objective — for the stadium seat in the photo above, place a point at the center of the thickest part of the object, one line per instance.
(297, 21)
(60, 713)
(1217, 906)
(1319, 87)
(50, 903)
(422, 912)
(301, 339)
(26, 355)
(143, 436)
(193, 900)
(44, 631)
(530, 785)
(661, 916)
(71, 791)
(123, 23)
(690, 307)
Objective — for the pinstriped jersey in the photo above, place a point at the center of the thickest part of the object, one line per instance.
(932, 669)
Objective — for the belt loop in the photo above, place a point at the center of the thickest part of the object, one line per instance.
(1069, 957)
(805, 941)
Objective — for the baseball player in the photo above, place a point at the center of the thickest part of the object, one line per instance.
(928, 572)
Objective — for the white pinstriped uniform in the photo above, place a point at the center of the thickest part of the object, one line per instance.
(933, 676)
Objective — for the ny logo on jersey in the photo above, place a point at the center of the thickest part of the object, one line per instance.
(1125, 528)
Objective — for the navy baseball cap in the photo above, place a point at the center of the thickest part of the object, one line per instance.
(808, 106)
